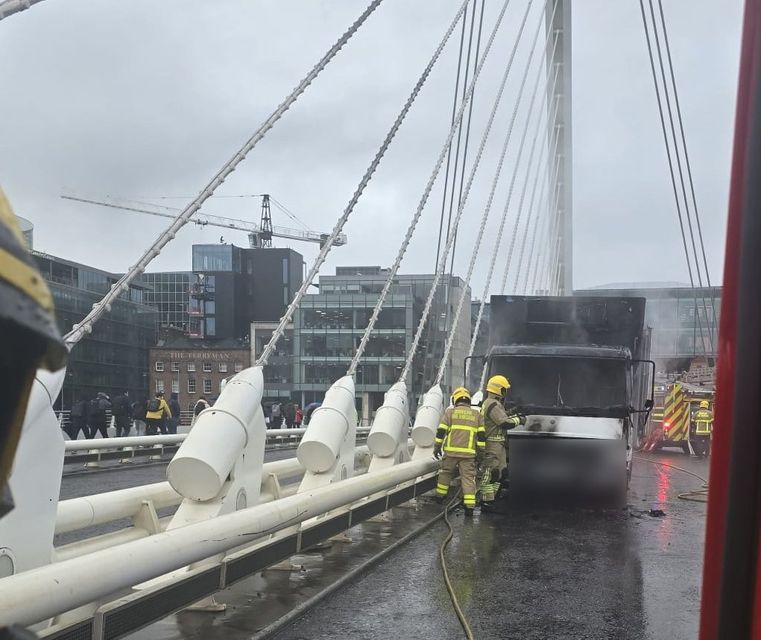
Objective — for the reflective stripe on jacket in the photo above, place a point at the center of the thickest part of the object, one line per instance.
(461, 432)
(495, 416)
(703, 419)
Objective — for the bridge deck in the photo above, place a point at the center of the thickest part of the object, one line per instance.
(580, 574)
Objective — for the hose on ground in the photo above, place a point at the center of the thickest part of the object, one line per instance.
(445, 571)
(694, 495)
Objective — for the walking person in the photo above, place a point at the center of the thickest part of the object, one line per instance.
(122, 411)
(78, 420)
(298, 417)
(462, 438)
(289, 413)
(96, 415)
(156, 414)
(174, 407)
(276, 417)
(138, 416)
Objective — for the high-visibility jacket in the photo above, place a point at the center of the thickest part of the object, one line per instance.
(162, 411)
(461, 432)
(703, 420)
(496, 419)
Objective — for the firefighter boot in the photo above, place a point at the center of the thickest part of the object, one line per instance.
(468, 512)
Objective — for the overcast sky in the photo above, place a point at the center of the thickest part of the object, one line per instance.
(144, 99)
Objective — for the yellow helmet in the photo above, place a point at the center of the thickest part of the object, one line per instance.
(498, 385)
(704, 404)
(460, 393)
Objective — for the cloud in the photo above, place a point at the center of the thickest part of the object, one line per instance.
(147, 99)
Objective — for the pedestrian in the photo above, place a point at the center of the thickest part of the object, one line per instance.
(200, 405)
(122, 411)
(310, 408)
(96, 415)
(174, 408)
(462, 439)
(156, 413)
(496, 422)
(703, 425)
(298, 417)
(289, 413)
(275, 415)
(138, 415)
(78, 420)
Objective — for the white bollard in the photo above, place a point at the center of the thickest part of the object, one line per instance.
(205, 459)
(428, 417)
(390, 423)
(328, 427)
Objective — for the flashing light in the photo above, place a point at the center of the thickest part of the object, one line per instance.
(666, 425)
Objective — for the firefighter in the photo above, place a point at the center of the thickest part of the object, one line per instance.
(496, 422)
(703, 421)
(462, 438)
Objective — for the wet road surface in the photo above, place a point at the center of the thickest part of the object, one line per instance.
(544, 575)
(552, 574)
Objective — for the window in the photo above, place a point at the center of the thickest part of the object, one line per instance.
(159, 386)
(207, 367)
(285, 271)
(191, 385)
(207, 386)
(175, 366)
(238, 367)
(191, 366)
(175, 386)
(211, 326)
(210, 308)
(223, 367)
(159, 366)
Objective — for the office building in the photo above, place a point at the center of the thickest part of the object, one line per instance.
(328, 327)
(228, 288)
(114, 357)
(685, 322)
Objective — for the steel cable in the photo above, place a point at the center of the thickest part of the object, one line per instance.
(484, 219)
(9, 7)
(543, 212)
(99, 308)
(476, 246)
(503, 219)
(508, 261)
(670, 162)
(283, 323)
(436, 278)
(449, 149)
(541, 167)
(413, 224)
(686, 153)
(544, 228)
(680, 171)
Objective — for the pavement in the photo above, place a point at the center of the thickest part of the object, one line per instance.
(560, 574)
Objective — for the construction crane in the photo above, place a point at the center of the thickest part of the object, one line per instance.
(259, 235)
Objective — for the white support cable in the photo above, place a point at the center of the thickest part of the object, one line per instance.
(501, 228)
(540, 220)
(442, 264)
(541, 167)
(476, 247)
(99, 308)
(544, 227)
(532, 224)
(529, 163)
(320, 259)
(552, 241)
(9, 7)
(551, 152)
(426, 192)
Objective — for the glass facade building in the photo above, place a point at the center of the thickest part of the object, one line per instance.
(168, 293)
(685, 322)
(114, 357)
(328, 327)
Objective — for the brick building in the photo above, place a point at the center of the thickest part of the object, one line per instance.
(193, 368)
